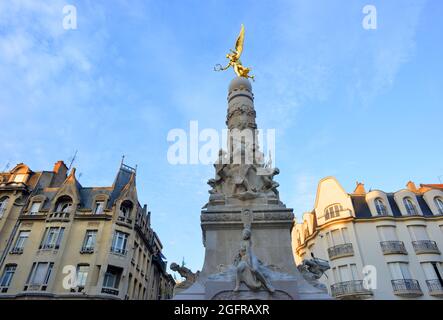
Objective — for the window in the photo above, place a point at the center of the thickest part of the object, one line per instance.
(410, 206)
(381, 208)
(112, 278)
(82, 275)
(399, 270)
(119, 242)
(418, 233)
(20, 242)
(40, 274)
(52, 238)
(3, 205)
(387, 233)
(125, 209)
(99, 206)
(35, 208)
(64, 207)
(20, 177)
(439, 203)
(333, 211)
(5, 280)
(89, 241)
(64, 204)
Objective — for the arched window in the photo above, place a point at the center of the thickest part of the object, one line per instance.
(3, 205)
(333, 211)
(381, 208)
(410, 206)
(64, 204)
(125, 209)
(439, 203)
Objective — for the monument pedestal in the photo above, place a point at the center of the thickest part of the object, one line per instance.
(246, 228)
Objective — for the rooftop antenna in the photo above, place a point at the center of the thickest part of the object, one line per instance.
(6, 166)
(72, 160)
(123, 159)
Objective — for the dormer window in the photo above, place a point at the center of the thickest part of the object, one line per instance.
(99, 206)
(125, 209)
(411, 209)
(64, 204)
(35, 208)
(439, 204)
(20, 178)
(333, 211)
(381, 208)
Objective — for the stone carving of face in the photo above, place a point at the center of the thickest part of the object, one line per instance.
(246, 234)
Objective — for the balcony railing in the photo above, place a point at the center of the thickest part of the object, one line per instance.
(350, 290)
(87, 250)
(49, 247)
(393, 247)
(341, 250)
(35, 287)
(16, 251)
(435, 287)
(59, 215)
(119, 251)
(425, 246)
(406, 287)
(112, 291)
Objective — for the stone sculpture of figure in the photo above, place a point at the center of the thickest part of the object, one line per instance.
(185, 273)
(313, 269)
(220, 174)
(239, 174)
(268, 181)
(248, 266)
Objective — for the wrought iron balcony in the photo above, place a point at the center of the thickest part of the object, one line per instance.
(425, 246)
(119, 251)
(350, 290)
(16, 250)
(87, 250)
(341, 250)
(111, 291)
(406, 287)
(435, 287)
(393, 247)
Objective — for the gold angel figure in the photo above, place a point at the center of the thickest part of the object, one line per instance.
(234, 58)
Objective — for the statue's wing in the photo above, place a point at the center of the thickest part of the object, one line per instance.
(240, 40)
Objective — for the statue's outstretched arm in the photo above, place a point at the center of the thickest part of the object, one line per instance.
(227, 67)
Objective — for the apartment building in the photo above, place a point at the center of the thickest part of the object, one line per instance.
(60, 240)
(380, 245)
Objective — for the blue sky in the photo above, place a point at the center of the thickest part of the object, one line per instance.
(357, 104)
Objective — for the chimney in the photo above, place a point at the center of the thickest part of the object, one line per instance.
(60, 170)
(360, 188)
(411, 187)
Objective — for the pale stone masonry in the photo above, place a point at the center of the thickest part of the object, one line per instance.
(399, 233)
(60, 240)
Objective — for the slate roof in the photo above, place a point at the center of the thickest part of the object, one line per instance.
(88, 194)
(362, 209)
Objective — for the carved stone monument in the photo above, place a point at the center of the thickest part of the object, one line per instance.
(246, 228)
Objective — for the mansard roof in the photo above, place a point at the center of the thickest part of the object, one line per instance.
(123, 182)
(362, 210)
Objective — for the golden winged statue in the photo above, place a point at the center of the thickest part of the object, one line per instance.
(234, 58)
